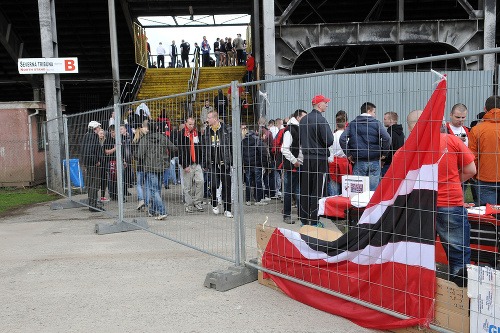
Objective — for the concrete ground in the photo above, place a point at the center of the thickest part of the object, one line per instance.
(57, 275)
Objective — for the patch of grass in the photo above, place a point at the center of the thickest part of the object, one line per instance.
(13, 198)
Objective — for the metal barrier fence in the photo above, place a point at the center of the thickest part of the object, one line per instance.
(210, 188)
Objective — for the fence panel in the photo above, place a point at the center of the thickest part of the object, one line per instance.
(220, 175)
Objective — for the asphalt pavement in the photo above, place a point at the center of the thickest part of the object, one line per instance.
(57, 275)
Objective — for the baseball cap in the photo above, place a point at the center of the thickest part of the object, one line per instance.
(94, 124)
(319, 98)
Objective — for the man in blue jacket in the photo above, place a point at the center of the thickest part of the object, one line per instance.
(315, 136)
(365, 142)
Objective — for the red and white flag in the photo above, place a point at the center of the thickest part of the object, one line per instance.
(388, 259)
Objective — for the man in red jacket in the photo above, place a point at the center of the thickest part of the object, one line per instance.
(250, 66)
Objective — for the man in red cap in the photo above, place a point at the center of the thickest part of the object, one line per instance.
(315, 136)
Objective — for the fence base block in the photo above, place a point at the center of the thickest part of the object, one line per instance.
(137, 224)
(233, 277)
(66, 204)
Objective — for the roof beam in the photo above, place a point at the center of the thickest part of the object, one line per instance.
(14, 46)
(288, 11)
(468, 8)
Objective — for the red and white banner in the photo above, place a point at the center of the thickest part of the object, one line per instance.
(386, 260)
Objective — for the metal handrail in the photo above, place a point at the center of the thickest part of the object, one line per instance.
(130, 90)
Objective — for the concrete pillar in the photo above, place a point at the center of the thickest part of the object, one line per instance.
(269, 39)
(46, 15)
(115, 69)
(489, 32)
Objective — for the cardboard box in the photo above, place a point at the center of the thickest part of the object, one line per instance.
(481, 323)
(450, 296)
(484, 291)
(352, 185)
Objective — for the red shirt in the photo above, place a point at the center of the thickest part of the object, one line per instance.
(250, 63)
(455, 157)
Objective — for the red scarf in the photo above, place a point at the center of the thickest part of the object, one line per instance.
(191, 136)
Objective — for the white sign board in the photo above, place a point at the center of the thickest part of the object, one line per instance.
(47, 65)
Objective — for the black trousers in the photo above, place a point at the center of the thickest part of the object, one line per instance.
(313, 180)
(218, 175)
(92, 179)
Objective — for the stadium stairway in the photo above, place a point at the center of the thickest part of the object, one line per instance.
(160, 82)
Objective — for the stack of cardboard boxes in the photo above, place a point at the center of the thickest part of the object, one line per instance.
(484, 292)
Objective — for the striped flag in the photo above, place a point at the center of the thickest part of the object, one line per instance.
(388, 259)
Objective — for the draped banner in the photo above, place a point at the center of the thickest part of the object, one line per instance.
(388, 258)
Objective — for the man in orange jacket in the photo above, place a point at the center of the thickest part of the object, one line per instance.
(483, 142)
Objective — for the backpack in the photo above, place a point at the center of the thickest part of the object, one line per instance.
(276, 148)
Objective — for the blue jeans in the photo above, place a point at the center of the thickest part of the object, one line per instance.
(452, 226)
(253, 178)
(142, 194)
(368, 168)
(290, 186)
(487, 193)
(333, 188)
(269, 183)
(169, 174)
(154, 185)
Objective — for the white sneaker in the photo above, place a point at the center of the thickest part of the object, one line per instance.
(261, 203)
(215, 210)
(266, 199)
(140, 205)
(161, 217)
(199, 207)
(248, 203)
(228, 214)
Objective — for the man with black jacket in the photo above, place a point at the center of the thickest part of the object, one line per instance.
(218, 155)
(92, 157)
(315, 138)
(395, 131)
(292, 160)
(190, 159)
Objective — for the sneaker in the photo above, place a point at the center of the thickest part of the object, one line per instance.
(261, 203)
(199, 207)
(151, 214)
(248, 203)
(140, 205)
(288, 220)
(319, 225)
(228, 214)
(266, 199)
(203, 203)
(275, 197)
(161, 217)
(104, 199)
(189, 209)
(215, 210)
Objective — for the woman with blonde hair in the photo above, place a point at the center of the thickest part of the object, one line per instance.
(103, 172)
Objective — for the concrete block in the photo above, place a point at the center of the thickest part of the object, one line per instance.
(234, 276)
(136, 224)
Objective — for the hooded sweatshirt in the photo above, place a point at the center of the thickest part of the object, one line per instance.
(397, 140)
(484, 142)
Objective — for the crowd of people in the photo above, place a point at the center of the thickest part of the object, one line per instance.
(226, 51)
(297, 159)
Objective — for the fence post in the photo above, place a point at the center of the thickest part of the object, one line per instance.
(239, 274)
(239, 238)
(66, 151)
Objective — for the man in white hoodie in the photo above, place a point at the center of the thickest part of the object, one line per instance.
(292, 160)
